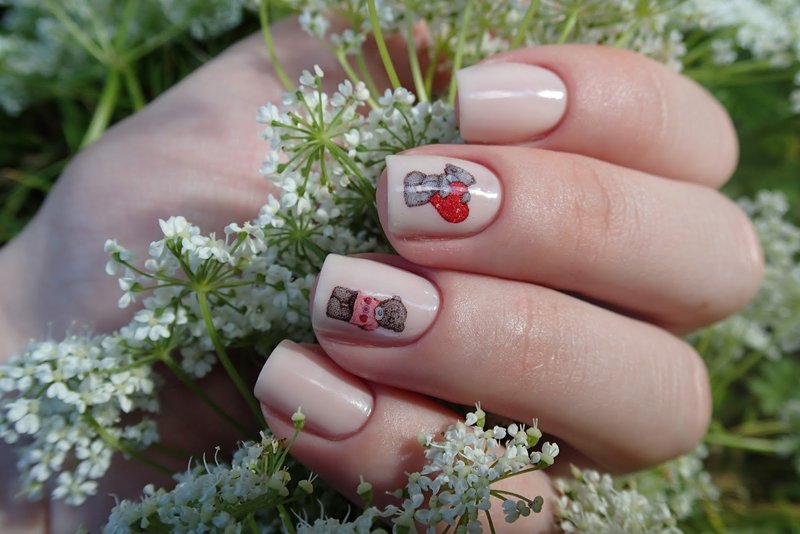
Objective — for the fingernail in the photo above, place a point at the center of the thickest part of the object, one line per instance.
(335, 403)
(367, 302)
(508, 102)
(434, 196)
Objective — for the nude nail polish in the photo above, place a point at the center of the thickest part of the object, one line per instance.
(368, 302)
(508, 102)
(336, 404)
(436, 196)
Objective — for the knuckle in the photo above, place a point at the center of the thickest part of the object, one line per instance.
(534, 342)
(609, 215)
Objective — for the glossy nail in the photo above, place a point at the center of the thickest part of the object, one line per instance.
(435, 196)
(508, 102)
(335, 403)
(367, 302)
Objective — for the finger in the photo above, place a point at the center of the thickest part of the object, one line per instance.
(675, 253)
(523, 351)
(357, 429)
(602, 102)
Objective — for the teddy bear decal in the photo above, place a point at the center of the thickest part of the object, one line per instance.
(448, 192)
(366, 311)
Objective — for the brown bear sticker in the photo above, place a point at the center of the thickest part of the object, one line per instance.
(366, 311)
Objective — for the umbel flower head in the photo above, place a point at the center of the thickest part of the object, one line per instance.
(70, 399)
(455, 487)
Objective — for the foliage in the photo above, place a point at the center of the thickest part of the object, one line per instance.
(80, 62)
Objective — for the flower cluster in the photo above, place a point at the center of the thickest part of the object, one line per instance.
(68, 412)
(72, 405)
(200, 294)
(756, 36)
(458, 481)
(219, 496)
(248, 289)
(326, 157)
(768, 326)
(54, 48)
(649, 502)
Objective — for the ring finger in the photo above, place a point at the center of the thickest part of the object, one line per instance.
(521, 350)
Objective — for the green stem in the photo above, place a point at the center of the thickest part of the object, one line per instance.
(761, 428)
(133, 54)
(569, 26)
(499, 494)
(379, 40)
(287, 521)
(622, 40)
(105, 108)
(122, 32)
(118, 445)
(134, 88)
(77, 33)
(366, 75)
(720, 72)
(205, 311)
(348, 69)
(171, 451)
(721, 386)
(462, 36)
(733, 441)
(430, 73)
(263, 15)
(99, 30)
(781, 510)
(197, 390)
(533, 7)
(416, 71)
(490, 522)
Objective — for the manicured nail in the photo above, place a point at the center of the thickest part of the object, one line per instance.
(508, 102)
(335, 403)
(364, 301)
(435, 196)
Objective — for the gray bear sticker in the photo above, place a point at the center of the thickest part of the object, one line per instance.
(420, 189)
(366, 311)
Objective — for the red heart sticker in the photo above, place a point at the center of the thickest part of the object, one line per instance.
(452, 208)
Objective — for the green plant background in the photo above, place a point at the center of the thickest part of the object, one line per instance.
(761, 492)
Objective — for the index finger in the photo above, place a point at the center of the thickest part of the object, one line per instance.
(602, 102)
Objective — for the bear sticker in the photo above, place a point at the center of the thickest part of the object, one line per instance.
(448, 192)
(366, 311)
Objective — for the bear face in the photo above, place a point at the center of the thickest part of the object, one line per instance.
(391, 314)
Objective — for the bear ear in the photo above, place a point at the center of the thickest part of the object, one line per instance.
(413, 178)
(460, 174)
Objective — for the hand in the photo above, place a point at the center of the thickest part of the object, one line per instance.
(591, 236)
(196, 152)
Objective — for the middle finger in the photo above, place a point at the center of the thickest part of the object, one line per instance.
(675, 253)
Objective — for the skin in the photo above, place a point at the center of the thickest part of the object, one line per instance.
(193, 153)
